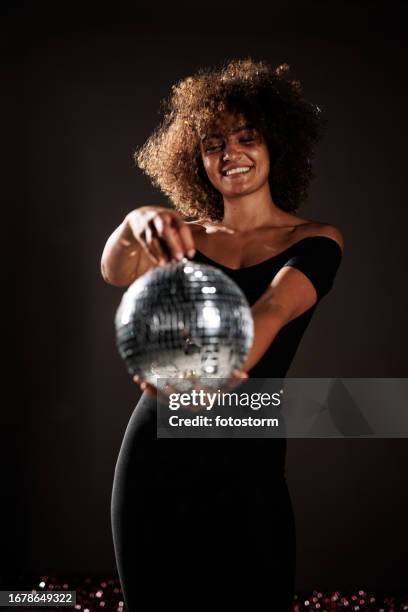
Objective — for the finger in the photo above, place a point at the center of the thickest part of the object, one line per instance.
(165, 249)
(173, 241)
(239, 374)
(161, 249)
(159, 223)
(147, 250)
(145, 386)
(150, 389)
(138, 380)
(153, 244)
(185, 234)
(159, 252)
(186, 237)
(170, 226)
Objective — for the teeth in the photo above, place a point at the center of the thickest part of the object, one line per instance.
(238, 170)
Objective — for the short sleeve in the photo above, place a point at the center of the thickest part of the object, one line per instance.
(319, 258)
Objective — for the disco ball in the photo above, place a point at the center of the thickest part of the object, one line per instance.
(184, 323)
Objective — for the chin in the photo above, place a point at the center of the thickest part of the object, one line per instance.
(240, 192)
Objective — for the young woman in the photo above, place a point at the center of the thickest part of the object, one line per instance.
(199, 522)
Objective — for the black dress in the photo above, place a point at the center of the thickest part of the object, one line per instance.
(208, 523)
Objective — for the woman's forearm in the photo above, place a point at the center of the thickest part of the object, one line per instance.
(268, 320)
(120, 256)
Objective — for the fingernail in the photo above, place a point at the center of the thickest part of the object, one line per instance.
(179, 256)
(191, 252)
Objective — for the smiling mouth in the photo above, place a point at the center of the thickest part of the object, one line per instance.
(237, 171)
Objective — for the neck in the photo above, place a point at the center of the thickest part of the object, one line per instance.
(252, 211)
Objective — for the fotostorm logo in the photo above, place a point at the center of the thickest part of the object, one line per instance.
(207, 401)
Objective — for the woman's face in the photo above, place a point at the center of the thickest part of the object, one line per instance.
(235, 157)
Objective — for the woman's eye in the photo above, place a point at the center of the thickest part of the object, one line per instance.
(214, 147)
(248, 139)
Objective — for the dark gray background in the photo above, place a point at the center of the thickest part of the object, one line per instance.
(87, 86)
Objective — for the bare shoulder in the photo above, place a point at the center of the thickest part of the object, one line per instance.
(315, 228)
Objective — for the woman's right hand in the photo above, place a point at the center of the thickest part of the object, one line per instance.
(162, 233)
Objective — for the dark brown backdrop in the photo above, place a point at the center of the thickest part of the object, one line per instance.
(86, 86)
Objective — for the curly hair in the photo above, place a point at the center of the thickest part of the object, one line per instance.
(266, 97)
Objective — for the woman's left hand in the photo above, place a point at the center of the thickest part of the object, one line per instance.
(236, 379)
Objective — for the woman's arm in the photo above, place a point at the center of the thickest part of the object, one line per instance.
(121, 256)
(292, 291)
(289, 295)
(148, 236)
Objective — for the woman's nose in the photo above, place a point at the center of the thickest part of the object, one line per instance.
(231, 150)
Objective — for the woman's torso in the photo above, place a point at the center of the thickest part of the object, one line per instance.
(236, 250)
(251, 260)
